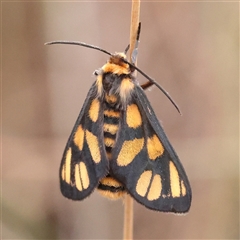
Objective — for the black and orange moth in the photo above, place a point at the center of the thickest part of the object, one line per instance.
(118, 146)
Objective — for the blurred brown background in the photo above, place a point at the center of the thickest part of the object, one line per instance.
(191, 49)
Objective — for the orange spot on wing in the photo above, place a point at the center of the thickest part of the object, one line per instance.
(84, 175)
(154, 147)
(79, 137)
(66, 168)
(94, 110)
(133, 116)
(143, 183)
(81, 176)
(129, 151)
(155, 189)
(78, 178)
(174, 180)
(93, 145)
(183, 188)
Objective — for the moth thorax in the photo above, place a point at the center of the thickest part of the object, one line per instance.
(125, 90)
(99, 85)
(109, 82)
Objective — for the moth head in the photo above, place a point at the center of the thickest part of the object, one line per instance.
(118, 59)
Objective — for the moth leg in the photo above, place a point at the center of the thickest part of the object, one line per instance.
(146, 85)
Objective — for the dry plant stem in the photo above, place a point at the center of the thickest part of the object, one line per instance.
(128, 218)
(128, 211)
(134, 25)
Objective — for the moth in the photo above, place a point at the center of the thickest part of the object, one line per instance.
(118, 146)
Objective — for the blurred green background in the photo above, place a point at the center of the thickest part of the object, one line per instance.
(190, 48)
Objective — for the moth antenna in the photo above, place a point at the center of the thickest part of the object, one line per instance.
(127, 48)
(130, 64)
(79, 44)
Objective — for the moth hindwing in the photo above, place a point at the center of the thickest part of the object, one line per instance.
(118, 146)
